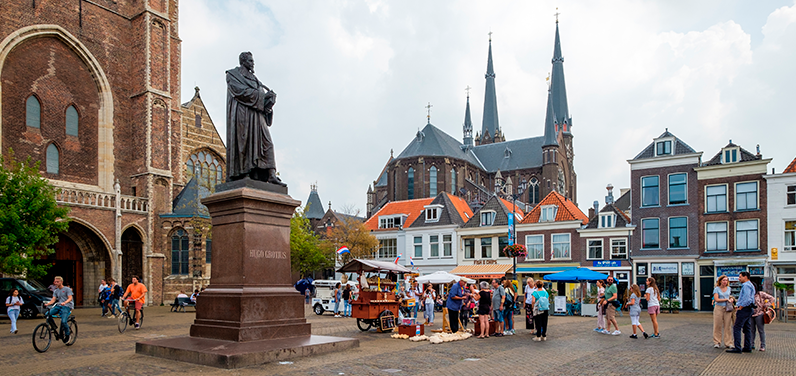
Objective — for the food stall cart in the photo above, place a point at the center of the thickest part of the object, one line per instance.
(376, 305)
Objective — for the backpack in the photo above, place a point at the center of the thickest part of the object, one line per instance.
(542, 302)
(105, 295)
(508, 304)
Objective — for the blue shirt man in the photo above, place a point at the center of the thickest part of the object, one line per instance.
(747, 297)
(743, 315)
(454, 304)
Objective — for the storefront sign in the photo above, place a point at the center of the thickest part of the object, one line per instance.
(664, 268)
(731, 271)
(755, 270)
(606, 264)
(688, 268)
(484, 262)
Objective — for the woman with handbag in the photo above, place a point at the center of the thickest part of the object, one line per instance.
(722, 313)
(763, 303)
(529, 289)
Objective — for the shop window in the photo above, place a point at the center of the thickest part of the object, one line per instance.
(716, 199)
(33, 112)
(469, 248)
(71, 121)
(746, 235)
(561, 246)
(179, 253)
(503, 242)
(53, 158)
(649, 191)
(619, 249)
(535, 246)
(447, 245)
(432, 182)
(388, 248)
(410, 183)
(678, 232)
(678, 189)
(434, 241)
(595, 249)
(746, 196)
(716, 236)
(790, 236)
(418, 241)
(486, 248)
(650, 237)
(706, 270)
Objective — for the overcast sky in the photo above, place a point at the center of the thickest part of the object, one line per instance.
(353, 77)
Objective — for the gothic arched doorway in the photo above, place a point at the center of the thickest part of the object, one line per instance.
(132, 256)
(67, 262)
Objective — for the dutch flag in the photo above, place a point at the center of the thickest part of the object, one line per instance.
(411, 261)
(342, 250)
(398, 258)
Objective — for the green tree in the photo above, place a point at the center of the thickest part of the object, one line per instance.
(306, 253)
(353, 234)
(30, 219)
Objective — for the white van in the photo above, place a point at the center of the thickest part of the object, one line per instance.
(323, 300)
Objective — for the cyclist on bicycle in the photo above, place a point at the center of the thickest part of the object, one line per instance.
(62, 305)
(137, 293)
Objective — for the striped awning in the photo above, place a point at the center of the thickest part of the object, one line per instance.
(482, 271)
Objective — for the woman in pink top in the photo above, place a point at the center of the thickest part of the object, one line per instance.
(763, 301)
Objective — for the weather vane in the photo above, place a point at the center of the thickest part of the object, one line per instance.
(467, 90)
(428, 108)
(557, 13)
(490, 35)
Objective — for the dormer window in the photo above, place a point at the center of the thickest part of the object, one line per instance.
(391, 221)
(433, 212)
(729, 155)
(487, 218)
(663, 147)
(607, 220)
(548, 213)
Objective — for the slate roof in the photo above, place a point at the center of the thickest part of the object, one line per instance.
(623, 202)
(680, 147)
(622, 219)
(558, 88)
(432, 141)
(567, 210)
(791, 167)
(411, 208)
(493, 204)
(550, 123)
(455, 211)
(524, 153)
(315, 206)
(744, 157)
(188, 201)
(490, 124)
(382, 180)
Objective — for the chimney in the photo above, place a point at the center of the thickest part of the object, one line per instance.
(610, 198)
(591, 213)
(594, 209)
(759, 156)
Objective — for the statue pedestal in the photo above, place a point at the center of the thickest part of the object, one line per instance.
(250, 314)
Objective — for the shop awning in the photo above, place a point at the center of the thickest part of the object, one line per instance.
(482, 271)
(545, 269)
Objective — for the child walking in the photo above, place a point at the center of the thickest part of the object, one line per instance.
(635, 311)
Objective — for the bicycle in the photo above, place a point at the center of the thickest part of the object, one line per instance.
(125, 318)
(44, 332)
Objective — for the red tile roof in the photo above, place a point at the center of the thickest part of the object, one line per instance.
(411, 208)
(508, 205)
(791, 167)
(567, 210)
(461, 207)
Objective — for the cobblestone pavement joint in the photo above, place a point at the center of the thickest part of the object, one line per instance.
(572, 348)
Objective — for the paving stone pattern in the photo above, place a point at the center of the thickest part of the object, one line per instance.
(572, 348)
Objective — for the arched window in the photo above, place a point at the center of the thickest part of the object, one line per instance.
(410, 184)
(33, 112)
(52, 158)
(71, 121)
(206, 167)
(432, 182)
(179, 253)
(453, 181)
(533, 191)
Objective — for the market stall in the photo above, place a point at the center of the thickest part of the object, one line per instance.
(376, 305)
(578, 275)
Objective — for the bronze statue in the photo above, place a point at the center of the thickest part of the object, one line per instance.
(250, 149)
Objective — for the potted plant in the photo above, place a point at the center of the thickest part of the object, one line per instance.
(516, 250)
(672, 305)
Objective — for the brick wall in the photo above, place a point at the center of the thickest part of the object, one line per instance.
(577, 245)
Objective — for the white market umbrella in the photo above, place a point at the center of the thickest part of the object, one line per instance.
(442, 277)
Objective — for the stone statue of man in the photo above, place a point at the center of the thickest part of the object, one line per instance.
(250, 149)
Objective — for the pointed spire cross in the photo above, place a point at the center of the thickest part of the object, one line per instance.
(467, 90)
(428, 108)
(490, 34)
(556, 14)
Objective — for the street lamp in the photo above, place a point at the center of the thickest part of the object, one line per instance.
(512, 219)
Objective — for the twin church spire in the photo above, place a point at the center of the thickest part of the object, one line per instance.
(557, 117)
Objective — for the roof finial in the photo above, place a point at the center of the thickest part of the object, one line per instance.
(557, 13)
(428, 108)
(490, 35)
(467, 90)
(390, 153)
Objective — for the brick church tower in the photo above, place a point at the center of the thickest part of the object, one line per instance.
(91, 90)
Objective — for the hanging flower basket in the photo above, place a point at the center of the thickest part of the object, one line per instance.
(516, 250)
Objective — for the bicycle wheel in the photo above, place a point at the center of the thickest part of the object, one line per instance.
(141, 319)
(72, 332)
(42, 337)
(122, 322)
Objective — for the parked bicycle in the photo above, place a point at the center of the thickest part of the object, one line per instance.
(44, 332)
(127, 317)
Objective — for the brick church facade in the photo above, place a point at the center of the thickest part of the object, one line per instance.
(91, 90)
(479, 166)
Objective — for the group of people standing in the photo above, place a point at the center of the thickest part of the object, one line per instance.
(608, 303)
(109, 295)
(746, 315)
(342, 295)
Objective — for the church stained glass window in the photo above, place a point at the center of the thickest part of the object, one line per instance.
(179, 253)
(432, 182)
(410, 183)
(207, 169)
(52, 159)
(71, 121)
(33, 112)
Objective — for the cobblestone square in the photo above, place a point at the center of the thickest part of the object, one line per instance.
(573, 348)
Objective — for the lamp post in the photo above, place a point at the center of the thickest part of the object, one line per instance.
(513, 220)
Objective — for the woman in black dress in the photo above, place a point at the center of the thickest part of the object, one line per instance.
(484, 308)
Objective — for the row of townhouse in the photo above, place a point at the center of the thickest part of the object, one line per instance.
(682, 221)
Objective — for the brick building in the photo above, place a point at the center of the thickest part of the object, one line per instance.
(91, 90)
(435, 162)
(733, 227)
(665, 213)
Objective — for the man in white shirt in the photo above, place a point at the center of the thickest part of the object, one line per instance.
(415, 292)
